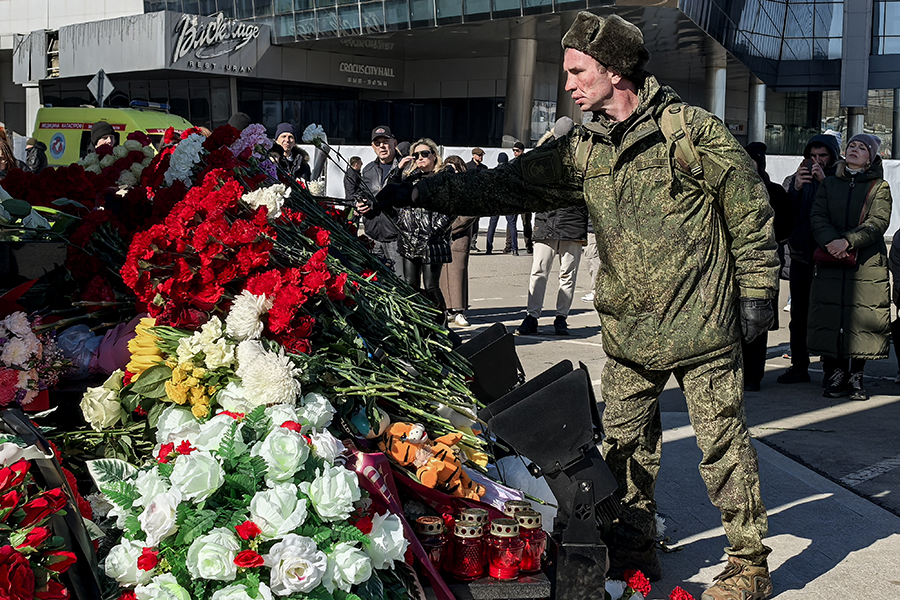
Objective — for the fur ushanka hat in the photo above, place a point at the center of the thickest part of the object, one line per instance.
(611, 41)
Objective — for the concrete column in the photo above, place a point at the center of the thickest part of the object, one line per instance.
(855, 119)
(32, 104)
(895, 137)
(233, 94)
(520, 80)
(716, 72)
(756, 118)
(565, 106)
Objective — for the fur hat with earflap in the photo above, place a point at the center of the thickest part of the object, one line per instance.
(612, 41)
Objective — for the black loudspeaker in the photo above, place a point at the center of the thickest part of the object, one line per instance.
(494, 362)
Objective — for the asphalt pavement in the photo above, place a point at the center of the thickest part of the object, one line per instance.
(829, 468)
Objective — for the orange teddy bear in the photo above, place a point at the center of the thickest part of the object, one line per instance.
(436, 462)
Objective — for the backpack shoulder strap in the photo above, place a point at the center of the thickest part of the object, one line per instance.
(674, 127)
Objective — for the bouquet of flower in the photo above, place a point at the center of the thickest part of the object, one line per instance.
(124, 164)
(636, 587)
(30, 362)
(247, 506)
(31, 557)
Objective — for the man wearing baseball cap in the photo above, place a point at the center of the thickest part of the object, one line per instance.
(380, 228)
(688, 268)
(518, 150)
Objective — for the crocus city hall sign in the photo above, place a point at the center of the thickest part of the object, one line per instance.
(216, 38)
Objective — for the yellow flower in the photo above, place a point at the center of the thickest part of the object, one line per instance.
(198, 395)
(200, 410)
(199, 372)
(192, 382)
(178, 375)
(144, 351)
(176, 392)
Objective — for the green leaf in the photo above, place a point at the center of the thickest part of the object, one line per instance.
(17, 208)
(227, 448)
(154, 413)
(196, 524)
(106, 471)
(371, 589)
(151, 381)
(165, 469)
(67, 202)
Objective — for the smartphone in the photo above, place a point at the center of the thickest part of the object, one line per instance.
(807, 163)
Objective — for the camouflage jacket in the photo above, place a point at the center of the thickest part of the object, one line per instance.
(675, 252)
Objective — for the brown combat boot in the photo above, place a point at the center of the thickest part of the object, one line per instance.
(740, 581)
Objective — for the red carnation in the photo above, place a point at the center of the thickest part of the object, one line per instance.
(680, 594)
(42, 506)
(234, 415)
(59, 561)
(164, 452)
(370, 275)
(248, 530)
(364, 524)
(637, 581)
(249, 559)
(293, 426)
(148, 559)
(54, 591)
(184, 447)
(13, 475)
(315, 282)
(35, 537)
(16, 576)
(129, 595)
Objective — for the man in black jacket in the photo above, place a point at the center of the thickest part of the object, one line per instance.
(380, 228)
(819, 161)
(476, 164)
(35, 156)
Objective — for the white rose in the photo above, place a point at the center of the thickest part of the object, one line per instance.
(93, 168)
(211, 556)
(164, 587)
(278, 511)
(213, 431)
(131, 145)
(326, 446)
(281, 413)
(333, 492)
(176, 424)
(107, 160)
(297, 565)
(137, 169)
(90, 160)
(218, 354)
(350, 566)
(127, 178)
(238, 591)
(150, 484)
(232, 398)
(388, 543)
(316, 410)
(284, 451)
(121, 563)
(120, 152)
(188, 346)
(146, 162)
(158, 519)
(148, 151)
(100, 405)
(197, 475)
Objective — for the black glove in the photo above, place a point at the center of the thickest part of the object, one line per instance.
(394, 195)
(757, 316)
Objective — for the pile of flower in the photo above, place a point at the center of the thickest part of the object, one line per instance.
(123, 164)
(29, 362)
(247, 506)
(31, 557)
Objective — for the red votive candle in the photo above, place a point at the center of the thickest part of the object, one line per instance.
(535, 539)
(504, 549)
(468, 551)
(430, 531)
(511, 507)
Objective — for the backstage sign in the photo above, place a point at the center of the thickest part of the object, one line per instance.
(214, 44)
(356, 72)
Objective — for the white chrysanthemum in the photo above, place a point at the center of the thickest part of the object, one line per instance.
(271, 197)
(19, 351)
(127, 178)
(243, 322)
(267, 377)
(18, 324)
(107, 161)
(132, 145)
(312, 133)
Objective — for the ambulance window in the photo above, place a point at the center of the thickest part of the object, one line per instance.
(156, 140)
(85, 145)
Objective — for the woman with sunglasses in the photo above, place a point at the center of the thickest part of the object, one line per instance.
(424, 235)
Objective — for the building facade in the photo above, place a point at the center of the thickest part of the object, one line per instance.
(464, 72)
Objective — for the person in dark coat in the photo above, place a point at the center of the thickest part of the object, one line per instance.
(476, 164)
(850, 310)
(819, 161)
(353, 178)
(755, 352)
(455, 275)
(380, 227)
(102, 133)
(894, 266)
(35, 156)
(518, 150)
(512, 236)
(288, 155)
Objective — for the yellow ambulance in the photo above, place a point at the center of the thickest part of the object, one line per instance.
(67, 131)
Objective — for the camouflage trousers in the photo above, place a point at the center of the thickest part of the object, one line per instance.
(730, 469)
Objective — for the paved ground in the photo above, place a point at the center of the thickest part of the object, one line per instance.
(830, 468)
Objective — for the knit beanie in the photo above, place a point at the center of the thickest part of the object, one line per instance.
(612, 41)
(100, 129)
(871, 142)
(284, 128)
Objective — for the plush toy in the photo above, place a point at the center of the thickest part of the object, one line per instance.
(436, 462)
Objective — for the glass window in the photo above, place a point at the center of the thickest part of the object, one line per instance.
(305, 23)
(797, 49)
(533, 7)
(829, 20)
(226, 7)
(890, 45)
(325, 3)
(207, 7)
(262, 8)
(372, 15)
(447, 9)
(396, 14)
(477, 7)
(327, 23)
(348, 17)
(284, 26)
(506, 8)
(303, 5)
(192, 7)
(284, 6)
(799, 21)
(421, 12)
(891, 18)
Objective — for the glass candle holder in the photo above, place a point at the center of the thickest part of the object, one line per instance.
(474, 515)
(504, 548)
(534, 538)
(511, 507)
(430, 531)
(468, 551)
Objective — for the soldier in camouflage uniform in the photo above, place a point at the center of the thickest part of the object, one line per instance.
(687, 264)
